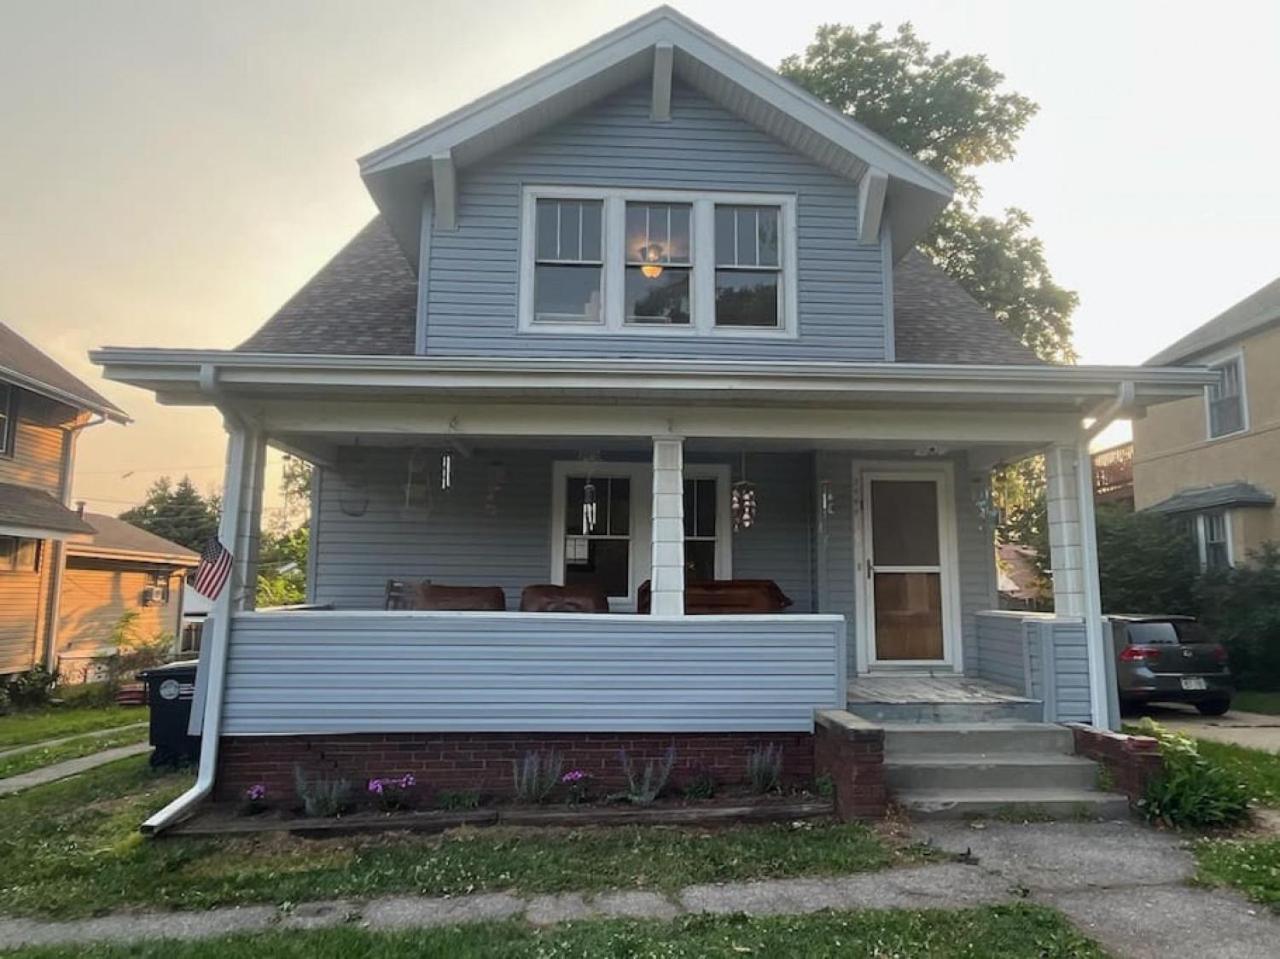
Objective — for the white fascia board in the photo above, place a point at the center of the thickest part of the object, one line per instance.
(33, 385)
(18, 531)
(176, 371)
(86, 550)
(660, 26)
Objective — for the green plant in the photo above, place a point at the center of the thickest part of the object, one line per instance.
(1241, 607)
(32, 688)
(825, 786)
(1192, 791)
(458, 799)
(321, 797)
(536, 775)
(701, 786)
(644, 786)
(1146, 562)
(764, 769)
(5, 701)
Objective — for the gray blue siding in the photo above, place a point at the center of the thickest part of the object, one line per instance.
(1040, 655)
(291, 672)
(473, 270)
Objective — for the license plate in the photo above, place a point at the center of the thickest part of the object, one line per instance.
(1193, 682)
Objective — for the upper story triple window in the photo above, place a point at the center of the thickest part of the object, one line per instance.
(1225, 400)
(645, 261)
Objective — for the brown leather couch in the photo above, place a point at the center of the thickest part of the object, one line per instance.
(468, 598)
(724, 596)
(547, 598)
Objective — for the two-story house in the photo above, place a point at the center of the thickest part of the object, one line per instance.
(1214, 460)
(643, 331)
(43, 411)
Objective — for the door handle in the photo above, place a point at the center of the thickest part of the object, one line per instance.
(871, 568)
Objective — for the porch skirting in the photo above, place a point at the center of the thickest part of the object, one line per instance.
(482, 761)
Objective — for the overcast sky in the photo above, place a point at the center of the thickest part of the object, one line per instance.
(171, 171)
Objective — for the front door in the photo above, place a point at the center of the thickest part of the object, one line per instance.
(905, 550)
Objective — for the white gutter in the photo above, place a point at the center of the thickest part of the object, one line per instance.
(216, 639)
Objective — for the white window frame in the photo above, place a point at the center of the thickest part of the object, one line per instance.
(1216, 363)
(9, 411)
(702, 249)
(722, 474)
(1202, 536)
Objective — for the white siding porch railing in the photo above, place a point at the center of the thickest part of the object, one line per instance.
(366, 672)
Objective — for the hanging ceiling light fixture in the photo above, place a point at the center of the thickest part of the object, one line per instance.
(652, 257)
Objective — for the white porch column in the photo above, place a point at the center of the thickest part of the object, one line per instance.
(1073, 552)
(244, 579)
(667, 572)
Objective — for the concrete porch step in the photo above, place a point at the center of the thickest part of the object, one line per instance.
(1024, 802)
(1003, 770)
(1025, 711)
(982, 738)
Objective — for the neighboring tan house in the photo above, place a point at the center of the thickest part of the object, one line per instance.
(1214, 460)
(43, 409)
(645, 331)
(120, 569)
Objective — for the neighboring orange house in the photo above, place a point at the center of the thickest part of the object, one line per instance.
(1214, 461)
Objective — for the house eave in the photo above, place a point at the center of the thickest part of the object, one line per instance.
(86, 550)
(186, 376)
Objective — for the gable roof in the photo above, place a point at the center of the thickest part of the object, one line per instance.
(33, 512)
(364, 302)
(21, 363)
(397, 174)
(115, 539)
(1254, 312)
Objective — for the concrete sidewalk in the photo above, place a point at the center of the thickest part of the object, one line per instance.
(1255, 730)
(48, 774)
(1122, 884)
(92, 734)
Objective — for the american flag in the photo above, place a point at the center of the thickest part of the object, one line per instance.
(215, 567)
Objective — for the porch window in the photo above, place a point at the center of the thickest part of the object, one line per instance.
(568, 264)
(748, 266)
(1226, 399)
(701, 505)
(598, 553)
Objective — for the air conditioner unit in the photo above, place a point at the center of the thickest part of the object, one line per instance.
(153, 596)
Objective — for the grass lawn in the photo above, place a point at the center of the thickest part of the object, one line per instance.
(1250, 701)
(1251, 865)
(1259, 769)
(72, 848)
(85, 746)
(53, 722)
(1011, 932)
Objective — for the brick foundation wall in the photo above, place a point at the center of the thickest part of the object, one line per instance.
(851, 751)
(1130, 761)
(482, 761)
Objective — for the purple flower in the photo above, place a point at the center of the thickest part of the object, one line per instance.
(573, 776)
(256, 792)
(375, 786)
(407, 781)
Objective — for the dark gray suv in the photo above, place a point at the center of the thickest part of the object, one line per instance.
(1170, 659)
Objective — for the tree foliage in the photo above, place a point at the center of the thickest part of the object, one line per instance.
(1147, 563)
(282, 568)
(177, 512)
(1241, 605)
(952, 113)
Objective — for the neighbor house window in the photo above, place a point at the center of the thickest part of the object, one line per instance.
(19, 555)
(568, 267)
(597, 533)
(8, 418)
(157, 590)
(668, 262)
(1226, 398)
(748, 266)
(1212, 534)
(190, 640)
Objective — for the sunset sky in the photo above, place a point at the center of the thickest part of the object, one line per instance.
(171, 171)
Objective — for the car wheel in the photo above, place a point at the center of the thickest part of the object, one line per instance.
(1213, 707)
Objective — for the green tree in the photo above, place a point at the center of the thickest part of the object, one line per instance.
(1147, 562)
(177, 512)
(1241, 605)
(951, 113)
(282, 568)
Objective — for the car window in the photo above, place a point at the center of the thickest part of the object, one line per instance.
(1156, 634)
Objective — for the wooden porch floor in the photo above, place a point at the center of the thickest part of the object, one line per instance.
(943, 690)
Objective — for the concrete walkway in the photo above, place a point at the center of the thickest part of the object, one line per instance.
(44, 744)
(1255, 730)
(1120, 883)
(48, 774)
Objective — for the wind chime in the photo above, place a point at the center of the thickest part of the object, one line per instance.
(826, 504)
(742, 500)
(589, 498)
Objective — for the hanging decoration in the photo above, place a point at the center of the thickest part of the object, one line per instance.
(353, 481)
(827, 498)
(984, 502)
(742, 500)
(446, 470)
(589, 512)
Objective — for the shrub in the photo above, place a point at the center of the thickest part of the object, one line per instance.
(32, 688)
(701, 786)
(825, 786)
(459, 799)
(536, 775)
(1192, 792)
(643, 787)
(1241, 607)
(764, 769)
(390, 794)
(579, 785)
(1147, 562)
(321, 796)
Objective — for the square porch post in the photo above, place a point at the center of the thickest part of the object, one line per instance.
(1073, 556)
(667, 568)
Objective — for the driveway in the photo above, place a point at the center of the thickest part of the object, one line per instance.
(1255, 730)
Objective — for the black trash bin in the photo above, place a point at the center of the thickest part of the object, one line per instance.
(170, 690)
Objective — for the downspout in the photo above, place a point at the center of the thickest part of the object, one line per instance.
(54, 605)
(217, 629)
(1100, 692)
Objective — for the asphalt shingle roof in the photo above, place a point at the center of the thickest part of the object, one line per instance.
(364, 302)
(29, 508)
(36, 370)
(1214, 497)
(111, 533)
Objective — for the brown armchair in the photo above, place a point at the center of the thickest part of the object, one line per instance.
(723, 596)
(547, 598)
(469, 598)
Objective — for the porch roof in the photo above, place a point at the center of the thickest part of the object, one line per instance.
(205, 377)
